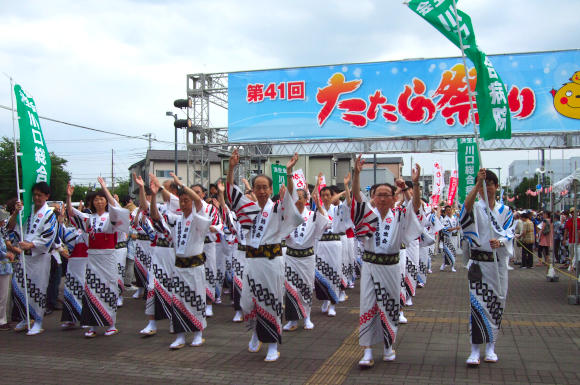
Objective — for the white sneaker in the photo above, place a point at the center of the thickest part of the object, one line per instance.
(453, 270)
(402, 319)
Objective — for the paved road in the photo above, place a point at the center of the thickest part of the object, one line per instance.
(539, 343)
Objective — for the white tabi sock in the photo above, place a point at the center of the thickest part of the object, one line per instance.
(389, 354)
(331, 311)
(209, 311)
(402, 319)
(290, 325)
(272, 352)
(308, 323)
(490, 352)
(36, 327)
(474, 356)
(139, 293)
(238, 316)
(152, 324)
(368, 354)
(324, 306)
(254, 342)
(180, 340)
(409, 301)
(342, 296)
(119, 300)
(197, 339)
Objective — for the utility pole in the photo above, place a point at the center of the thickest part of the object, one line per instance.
(112, 172)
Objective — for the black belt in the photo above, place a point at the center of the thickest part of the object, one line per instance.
(380, 259)
(241, 247)
(330, 237)
(207, 240)
(299, 253)
(454, 234)
(121, 245)
(481, 256)
(264, 251)
(143, 237)
(283, 243)
(193, 261)
(162, 242)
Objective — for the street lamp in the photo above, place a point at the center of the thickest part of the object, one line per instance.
(179, 123)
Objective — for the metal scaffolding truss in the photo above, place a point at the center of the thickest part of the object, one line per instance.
(206, 89)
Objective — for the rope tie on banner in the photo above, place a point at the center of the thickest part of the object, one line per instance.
(565, 273)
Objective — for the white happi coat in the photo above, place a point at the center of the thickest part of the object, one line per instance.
(40, 228)
(381, 283)
(262, 295)
(488, 294)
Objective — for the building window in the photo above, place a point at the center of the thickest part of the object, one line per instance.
(163, 173)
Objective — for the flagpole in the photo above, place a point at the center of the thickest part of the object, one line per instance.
(476, 133)
(18, 191)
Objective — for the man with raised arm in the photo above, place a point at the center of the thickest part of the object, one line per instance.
(187, 232)
(382, 228)
(267, 223)
(488, 281)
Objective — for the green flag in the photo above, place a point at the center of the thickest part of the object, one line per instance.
(35, 157)
(278, 177)
(468, 166)
(491, 93)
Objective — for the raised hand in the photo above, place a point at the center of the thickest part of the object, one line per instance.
(220, 186)
(415, 173)
(291, 162)
(153, 179)
(138, 180)
(176, 179)
(69, 190)
(234, 158)
(400, 183)
(347, 179)
(153, 186)
(481, 175)
(358, 164)
(102, 183)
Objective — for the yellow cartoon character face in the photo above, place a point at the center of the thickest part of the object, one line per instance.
(567, 98)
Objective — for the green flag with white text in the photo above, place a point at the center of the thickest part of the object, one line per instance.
(35, 159)
(491, 94)
(468, 166)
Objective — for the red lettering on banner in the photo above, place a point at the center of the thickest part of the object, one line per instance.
(254, 93)
(328, 96)
(375, 100)
(522, 103)
(454, 102)
(419, 105)
(354, 105)
(296, 90)
(389, 113)
(271, 91)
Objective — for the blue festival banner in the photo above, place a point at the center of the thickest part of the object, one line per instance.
(426, 97)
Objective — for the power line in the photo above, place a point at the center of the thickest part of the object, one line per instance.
(93, 129)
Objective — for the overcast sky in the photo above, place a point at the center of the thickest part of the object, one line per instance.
(118, 65)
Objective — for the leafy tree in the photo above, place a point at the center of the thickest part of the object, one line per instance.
(528, 201)
(59, 177)
(121, 187)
